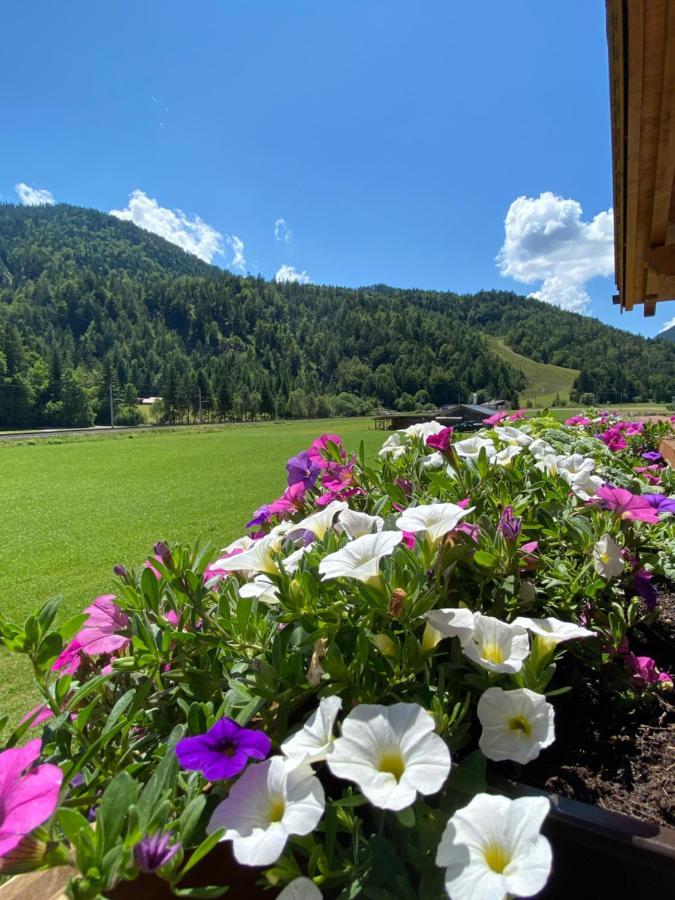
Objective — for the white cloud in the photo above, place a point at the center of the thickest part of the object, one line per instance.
(238, 258)
(288, 273)
(546, 240)
(193, 235)
(667, 325)
(282, 232)
(29, 196)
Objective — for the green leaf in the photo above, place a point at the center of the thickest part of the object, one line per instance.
(190, 817)
(485, 559)
(406, 817)
(48, 612)
(199, 892)
(200, 852)
(72, 823)
(161, 780)
(112, 813)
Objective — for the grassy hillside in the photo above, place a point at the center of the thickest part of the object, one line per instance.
(543, 381)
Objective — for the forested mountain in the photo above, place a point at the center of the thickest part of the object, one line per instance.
(668, 334)
(87, 300)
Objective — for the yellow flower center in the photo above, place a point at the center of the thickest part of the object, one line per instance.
(277, 808)
(493, 653)
(604, 557)
(496, 857)
(520, 723)
(392, 762)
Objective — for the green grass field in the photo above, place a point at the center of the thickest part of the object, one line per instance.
(543, 381)
(74, 509)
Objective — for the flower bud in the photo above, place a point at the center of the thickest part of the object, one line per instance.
(397, 603)
(162, 550)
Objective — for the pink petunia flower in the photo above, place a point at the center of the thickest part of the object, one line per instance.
(518, 414)
(578, 420)
(28, 794)
(440, 441)
(408, 539)
(495, 418)
(318, 451)
(644, 670)
(626, 505)
(98, 636)
(614, 439)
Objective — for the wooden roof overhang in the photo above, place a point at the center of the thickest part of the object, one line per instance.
(641, 40)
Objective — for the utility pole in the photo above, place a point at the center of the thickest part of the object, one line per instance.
(110, 396)
(200, 404)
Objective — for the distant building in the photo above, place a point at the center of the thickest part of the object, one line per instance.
(454, 414)
(148, 401)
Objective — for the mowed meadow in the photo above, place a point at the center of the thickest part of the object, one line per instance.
(72, 510)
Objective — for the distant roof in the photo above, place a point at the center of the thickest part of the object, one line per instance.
(475, 407)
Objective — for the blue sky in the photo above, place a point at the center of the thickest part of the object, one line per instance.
(392, 138)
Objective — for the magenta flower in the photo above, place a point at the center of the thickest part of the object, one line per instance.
(649, 473)
(631, 428)
(155, 851)
(440, 441)
(614, 439)
(495, 418)
(644, 670)
(528, 551)
(98, 636)
(223, 751)
(148, 565)
(518, 414)
(509, 525)
(28, 794)
(290, 501)
(578, 420)
(42, 714)
(318, 451)
(408, 539)
(302, 469)
(662, 504)
(626, 505)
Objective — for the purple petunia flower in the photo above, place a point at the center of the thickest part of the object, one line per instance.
(652, 455)
(643, 587)
(223, 751)
(660, 503)
(509, 525)
(155, 851)
(302, 469)
(260, 516)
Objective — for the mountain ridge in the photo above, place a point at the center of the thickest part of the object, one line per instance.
(92, 300)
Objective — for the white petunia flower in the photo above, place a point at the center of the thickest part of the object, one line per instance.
(539, 448)
(360, 558)
(470, 448)
(319, 522)
(452, 622)
(587, 487)
(423, 430)
(393, 447)
(315, 739)
(434, 519)
(492, 848)
(242, 543)
(356, 524)
(517, 724)
(271, 801)
(553, 631)
(506, 456)
(432, 461)
(291, 563)
(575, 467)
(391, 753)
(548, 464)
(260, 557)
(496, 645)
(262, 589)
(300, 889)
(607, 559)
(511, 435)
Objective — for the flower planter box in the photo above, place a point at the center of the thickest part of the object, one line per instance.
(597, 853)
